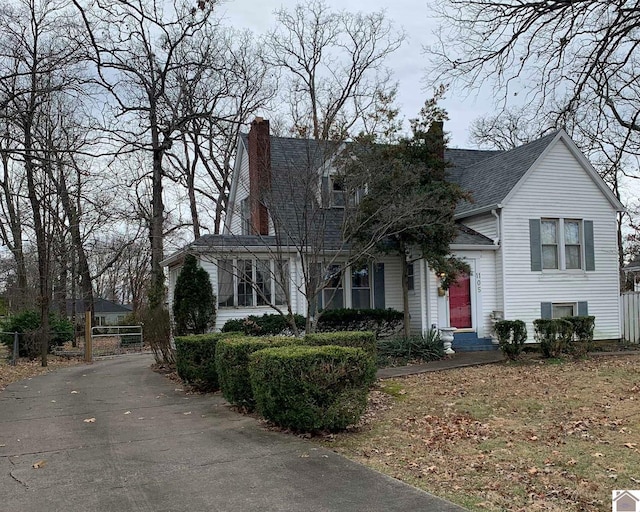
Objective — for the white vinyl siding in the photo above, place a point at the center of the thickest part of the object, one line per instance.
(242, 192)
(575, 197)
(484, 224)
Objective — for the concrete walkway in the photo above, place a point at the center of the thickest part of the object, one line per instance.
(116, 437)
(457, 360)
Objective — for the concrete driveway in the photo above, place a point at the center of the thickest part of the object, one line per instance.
(153, 448)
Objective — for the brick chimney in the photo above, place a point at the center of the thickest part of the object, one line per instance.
(259, 174)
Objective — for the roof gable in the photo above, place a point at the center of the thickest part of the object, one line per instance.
(493, 181)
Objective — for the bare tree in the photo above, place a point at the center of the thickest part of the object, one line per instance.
(332, 66)
(137, 53)
(232, 85)
(559, 57)
(41, 57)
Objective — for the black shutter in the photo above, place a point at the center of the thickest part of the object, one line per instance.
(589, 252)
(535, 244)
(378, 286)
(545, 310)
(583, 308)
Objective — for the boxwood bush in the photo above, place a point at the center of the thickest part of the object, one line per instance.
(267, 324)
(195, 360)
(383, 322)
(232, 365)
(311, 388)
(365, 340)
(554, 335)
(511, 336)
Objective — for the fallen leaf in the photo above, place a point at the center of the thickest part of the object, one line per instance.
(185, 413)
(39, 464)
(572, 462)
(597, 454)
(128, 412)
(533, 438)
(74, 392)
(532, 471)
(90, 420)
(304, 455)
(631, 445)
(53, 401)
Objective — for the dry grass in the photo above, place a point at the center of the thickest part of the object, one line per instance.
(514, 436)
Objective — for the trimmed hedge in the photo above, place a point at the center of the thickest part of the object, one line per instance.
(365, 340)
(232, 365)
(195, 360)
(511, 336)
(311, 388)
(572, 334)
(267, 324)
(383, 322)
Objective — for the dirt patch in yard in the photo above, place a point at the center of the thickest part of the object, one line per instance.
(534, 435)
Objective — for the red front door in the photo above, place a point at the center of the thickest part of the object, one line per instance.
(460, 303)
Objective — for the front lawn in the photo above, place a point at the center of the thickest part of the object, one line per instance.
(534, 435)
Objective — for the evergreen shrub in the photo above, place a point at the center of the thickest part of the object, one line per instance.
(311, 388)
(196, 362)
(232, 365)
(511, 335)
(365, 340)
(27, 324)
(267, 324)
(554, 335)
(194, 304)
(383, 322)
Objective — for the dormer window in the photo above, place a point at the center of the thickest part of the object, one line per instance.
(337, 192)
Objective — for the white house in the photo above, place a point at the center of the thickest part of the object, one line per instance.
(539, 237)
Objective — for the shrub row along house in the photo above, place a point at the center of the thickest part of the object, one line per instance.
(538, 233)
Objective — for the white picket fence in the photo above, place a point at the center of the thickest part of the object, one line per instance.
(630, 313)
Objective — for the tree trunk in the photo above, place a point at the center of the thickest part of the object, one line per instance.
(156, 291)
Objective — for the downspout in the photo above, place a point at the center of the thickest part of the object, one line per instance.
(498, 241)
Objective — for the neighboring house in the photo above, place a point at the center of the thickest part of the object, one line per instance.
(539, 237)
(106, 312)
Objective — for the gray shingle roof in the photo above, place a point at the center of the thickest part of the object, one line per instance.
(491, 179)
(468, 236)
(295, 164)
(99, 305)
(231, 241)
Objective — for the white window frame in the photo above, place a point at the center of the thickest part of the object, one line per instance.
(273, 300)
(561, 245)
(573, 305)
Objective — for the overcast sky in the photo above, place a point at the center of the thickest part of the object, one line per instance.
(408, 62)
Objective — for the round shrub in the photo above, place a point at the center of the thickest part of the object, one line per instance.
(365, 340)
(232, 365)
(311, 388)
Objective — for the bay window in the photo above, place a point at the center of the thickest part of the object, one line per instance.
(251, 282)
